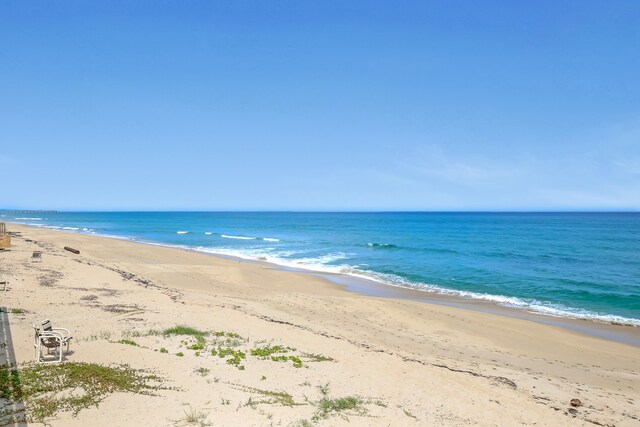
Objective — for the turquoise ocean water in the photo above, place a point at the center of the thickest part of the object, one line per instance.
(584, 265)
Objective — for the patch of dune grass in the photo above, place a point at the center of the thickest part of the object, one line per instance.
(138, 334)
(196, 417)
(271, 396)
(202, 371)
(186, 331)
(313, 357)
(328, 406)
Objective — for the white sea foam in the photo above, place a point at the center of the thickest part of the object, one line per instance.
(238, 237)
(322, 260)
(266, 239)
(322, 264)
(115, 236)
(55, 227)
(540, 307)
(208, 233)
(381, 245)
(30, 219)
(282, 258)
(182, 232)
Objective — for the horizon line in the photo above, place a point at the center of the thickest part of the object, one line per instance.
(55, 211)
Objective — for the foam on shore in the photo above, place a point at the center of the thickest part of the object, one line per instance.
(326, 264)
(321, 264)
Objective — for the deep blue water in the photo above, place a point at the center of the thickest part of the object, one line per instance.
(578, 264)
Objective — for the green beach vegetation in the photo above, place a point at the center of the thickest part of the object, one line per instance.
(46, 390)
(227, 345)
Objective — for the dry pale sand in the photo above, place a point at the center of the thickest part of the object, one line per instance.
(411, 363)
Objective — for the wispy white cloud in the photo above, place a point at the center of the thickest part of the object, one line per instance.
(597, 170)
(433, 164)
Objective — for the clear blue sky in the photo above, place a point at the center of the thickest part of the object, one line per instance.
(320, 105)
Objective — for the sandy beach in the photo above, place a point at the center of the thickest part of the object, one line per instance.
(405, 362)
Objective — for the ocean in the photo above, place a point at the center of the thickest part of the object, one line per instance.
(580, 265)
